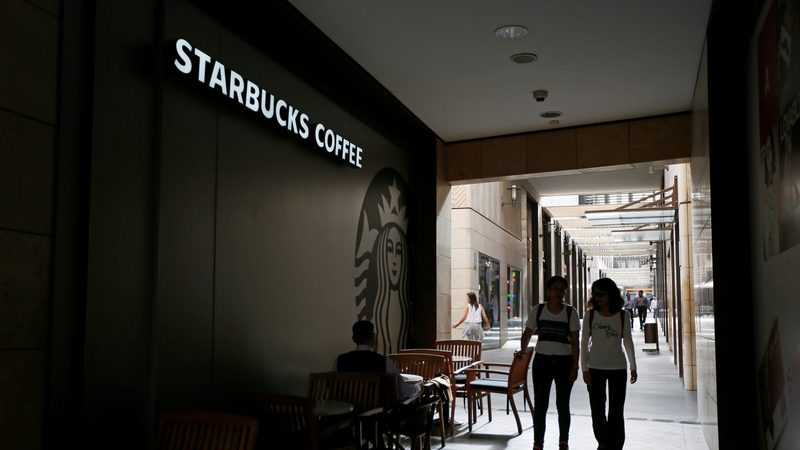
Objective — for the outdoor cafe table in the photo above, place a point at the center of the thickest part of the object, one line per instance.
(460, 361)
(326, 408)
(410, 378)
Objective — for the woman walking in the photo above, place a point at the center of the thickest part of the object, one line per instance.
(556, 359)
(606, 329)
(473, 313)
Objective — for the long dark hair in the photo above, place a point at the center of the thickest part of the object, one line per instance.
(608, 286)
(473, 300)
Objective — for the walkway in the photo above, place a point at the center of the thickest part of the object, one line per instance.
(659, 413)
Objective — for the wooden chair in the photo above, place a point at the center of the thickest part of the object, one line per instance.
(370, 394)
(468, 349)
(285, 421)
(461, 347)
(427, 366)
(513, 380)
(206, 430)
(448, 371)
(413, 420)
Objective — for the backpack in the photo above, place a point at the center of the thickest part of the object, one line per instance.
(549, 337)
(542, 305)
(621, 322)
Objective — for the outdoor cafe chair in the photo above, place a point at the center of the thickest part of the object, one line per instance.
(448, 372)
(414, 421)
(508, 382)
(285, 421)
(427, 366)
(199, 429)
(371, 394)
(462, 348)
(471, 350)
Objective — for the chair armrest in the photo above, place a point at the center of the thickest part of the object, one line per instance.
(471, 373)
(468, 366)
(490, 364)
(371, 412)
(399, 413)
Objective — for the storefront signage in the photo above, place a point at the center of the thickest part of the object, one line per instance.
(193, 62)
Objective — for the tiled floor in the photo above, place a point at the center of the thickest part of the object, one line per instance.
(659, 413)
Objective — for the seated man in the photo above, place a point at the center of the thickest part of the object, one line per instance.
(363, 359)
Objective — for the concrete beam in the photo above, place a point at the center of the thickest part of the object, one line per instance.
(662, 139)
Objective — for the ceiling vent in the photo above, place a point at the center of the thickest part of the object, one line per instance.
(551, 114)
(524, 58)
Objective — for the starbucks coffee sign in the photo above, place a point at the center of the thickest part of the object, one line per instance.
(198, 65)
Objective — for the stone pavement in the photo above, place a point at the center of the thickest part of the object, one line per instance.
(659, 413)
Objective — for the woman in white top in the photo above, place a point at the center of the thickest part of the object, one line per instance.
(473, 313)
(606, 329)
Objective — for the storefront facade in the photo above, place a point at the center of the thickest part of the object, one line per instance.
(240, 205)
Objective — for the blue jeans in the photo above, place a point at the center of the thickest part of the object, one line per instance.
(546, 369)
(608, 430)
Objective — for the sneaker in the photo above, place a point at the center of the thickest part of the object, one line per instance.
(563, 445)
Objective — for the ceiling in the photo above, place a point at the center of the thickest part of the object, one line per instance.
(600, 61)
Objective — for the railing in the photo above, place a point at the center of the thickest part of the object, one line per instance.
(610, 199)
(664, 198)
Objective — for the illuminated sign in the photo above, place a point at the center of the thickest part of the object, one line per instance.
(193, 62)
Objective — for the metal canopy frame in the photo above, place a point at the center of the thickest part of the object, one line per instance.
(654, 215)
(643, 234)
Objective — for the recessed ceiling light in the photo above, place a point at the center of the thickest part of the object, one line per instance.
(550, 114)
(524, 58)
(511, 32)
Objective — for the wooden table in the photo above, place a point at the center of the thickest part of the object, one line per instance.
(460, 361)
(325, 408)
(411, 378)
(332, 417)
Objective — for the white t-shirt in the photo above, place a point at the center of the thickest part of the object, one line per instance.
(551, 347)
(600, 346)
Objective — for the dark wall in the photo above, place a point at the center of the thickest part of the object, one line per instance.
(729, 32)
(122, 210)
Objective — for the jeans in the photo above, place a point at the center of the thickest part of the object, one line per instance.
(546, 369)
(642, 315)
(608, 430)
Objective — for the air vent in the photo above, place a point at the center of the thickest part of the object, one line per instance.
(524, 58)
(551, 114)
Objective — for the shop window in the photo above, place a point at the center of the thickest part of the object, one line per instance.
(513, 302)
(489, 289)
